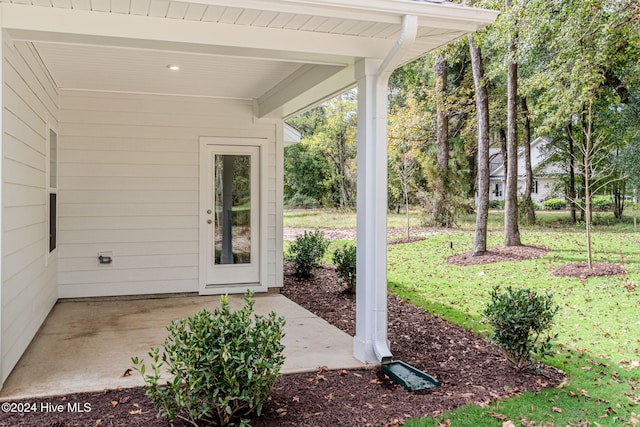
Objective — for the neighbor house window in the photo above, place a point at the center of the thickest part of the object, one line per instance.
(534, 189)
(52, 189)
(497, 191)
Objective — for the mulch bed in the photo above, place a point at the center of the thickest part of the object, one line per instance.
(524, 252)
(499, 254)
(582, 270)
(470, 369)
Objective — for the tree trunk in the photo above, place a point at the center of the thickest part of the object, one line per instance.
(442, 216)
(587, 187)
(571, 189)
(526, 142)
(584, 178)
(617, 196)
(342, 172)
(406, 207)
(502, 138)
(482, 182)
(511, 232)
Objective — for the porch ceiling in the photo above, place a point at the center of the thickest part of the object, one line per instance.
(118, 69)
(286, 54)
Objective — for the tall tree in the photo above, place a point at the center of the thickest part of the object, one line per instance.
(337, 141)
(511, 231)
(590, 63)
(440, 208)
(528, 170)
(482, 183)
(407, 138)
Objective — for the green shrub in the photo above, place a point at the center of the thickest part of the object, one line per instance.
(306, 252)
(345, 261)
(554, 204)
(222, 365)
(602, 203)
(521, 320)
(496, 204)
(298, 200)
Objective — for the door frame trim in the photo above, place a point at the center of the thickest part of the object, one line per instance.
(203, 228)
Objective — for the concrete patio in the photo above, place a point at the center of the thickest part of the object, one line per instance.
(87, 345)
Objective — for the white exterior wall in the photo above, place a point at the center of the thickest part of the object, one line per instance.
(546, 190)
(129, 184)
(29, 288)
(546, 187)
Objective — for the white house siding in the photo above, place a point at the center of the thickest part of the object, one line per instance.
(129, 182)
(546, 189)
(29, 289)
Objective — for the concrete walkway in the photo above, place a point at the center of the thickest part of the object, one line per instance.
(88, 345)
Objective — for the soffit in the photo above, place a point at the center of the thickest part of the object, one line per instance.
(135, 70)
(254, 47)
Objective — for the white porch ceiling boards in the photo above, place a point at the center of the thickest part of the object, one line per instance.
(286, 54)
(134, 70)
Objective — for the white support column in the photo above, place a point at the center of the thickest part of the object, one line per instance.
(370, 343)
(2, 325)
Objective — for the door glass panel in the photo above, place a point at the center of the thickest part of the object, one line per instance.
(232, 230)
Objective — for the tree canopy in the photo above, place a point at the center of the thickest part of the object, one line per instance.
(578, 83)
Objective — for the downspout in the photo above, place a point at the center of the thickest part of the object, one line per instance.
(405, 40)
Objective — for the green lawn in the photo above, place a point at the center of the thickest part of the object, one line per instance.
(598, 324)
(600, 315)
(341, 218)
(547, 220)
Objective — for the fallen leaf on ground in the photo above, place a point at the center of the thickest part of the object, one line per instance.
(136, 412)
(127, 373)
(556, 409)
(508, 424)
(501, 417)
(114, 403)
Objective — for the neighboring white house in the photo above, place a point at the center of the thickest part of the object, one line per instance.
(546, 176)
(142, 142)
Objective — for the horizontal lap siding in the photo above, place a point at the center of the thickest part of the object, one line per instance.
(129, 183)
(28, 281)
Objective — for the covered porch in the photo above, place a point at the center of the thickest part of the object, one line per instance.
(117, 115)
(87, 345)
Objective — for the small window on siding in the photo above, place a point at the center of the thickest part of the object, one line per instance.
(53, 159)
(52, 221)
(52, 189)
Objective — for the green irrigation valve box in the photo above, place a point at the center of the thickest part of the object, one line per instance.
(409, 377)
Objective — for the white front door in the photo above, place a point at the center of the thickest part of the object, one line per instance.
(231, 217)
